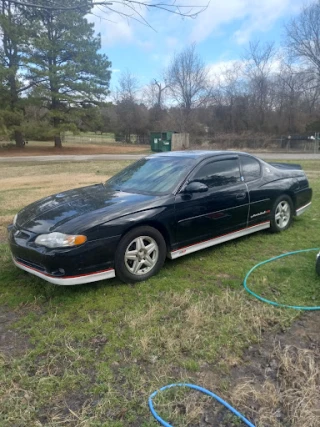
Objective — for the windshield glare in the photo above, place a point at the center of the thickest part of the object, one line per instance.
(151, 175)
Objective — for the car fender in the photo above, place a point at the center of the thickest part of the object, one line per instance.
(160, 218)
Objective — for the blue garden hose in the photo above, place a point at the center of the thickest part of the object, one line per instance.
(209, 393)
(202, 390)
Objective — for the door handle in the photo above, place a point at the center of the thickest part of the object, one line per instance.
(241, 196)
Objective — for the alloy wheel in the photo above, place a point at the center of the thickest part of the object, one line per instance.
(283, 214)
(141, 255)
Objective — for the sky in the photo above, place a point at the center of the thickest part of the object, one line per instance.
(221, 33)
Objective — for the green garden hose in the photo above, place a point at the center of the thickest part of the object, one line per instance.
(276, 304)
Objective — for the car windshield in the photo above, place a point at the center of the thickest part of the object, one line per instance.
(158, 175)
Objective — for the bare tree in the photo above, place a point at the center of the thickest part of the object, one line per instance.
(153, 93)
(289, 87)
(128, 87)
(259, 60)
(303, 35)
(131, 9)
(128, 110)
(188, 80)
(234, 100)
(154, 96)
(158, 90)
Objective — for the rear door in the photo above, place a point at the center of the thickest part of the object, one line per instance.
(219, 211)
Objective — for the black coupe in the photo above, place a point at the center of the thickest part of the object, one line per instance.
(165, 205)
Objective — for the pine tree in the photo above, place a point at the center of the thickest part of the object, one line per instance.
(67, 62)
(14, 34)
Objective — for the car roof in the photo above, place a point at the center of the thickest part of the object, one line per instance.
(197, 154)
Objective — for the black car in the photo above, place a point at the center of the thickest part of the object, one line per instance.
(164, 205)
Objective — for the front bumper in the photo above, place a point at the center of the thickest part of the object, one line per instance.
(68, 280)
(87, 263)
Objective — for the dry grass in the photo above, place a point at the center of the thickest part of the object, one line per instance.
(51, 181)
(295, 394)
(185, 407)
(181, 324)
(41, 149)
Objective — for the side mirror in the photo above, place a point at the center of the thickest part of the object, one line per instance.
(196, 187)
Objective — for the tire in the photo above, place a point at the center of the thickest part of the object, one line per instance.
(318, 264)
(133, 260)
(281, 214)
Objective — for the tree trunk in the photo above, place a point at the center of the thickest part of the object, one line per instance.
(57, 141)
(19, 139)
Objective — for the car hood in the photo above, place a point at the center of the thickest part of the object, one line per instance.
(53, 213)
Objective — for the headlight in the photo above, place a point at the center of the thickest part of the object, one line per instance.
(15, 219)
(59, 240)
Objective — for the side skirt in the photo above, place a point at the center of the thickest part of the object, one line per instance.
(217, 240)
(301, 210)
(69, 280)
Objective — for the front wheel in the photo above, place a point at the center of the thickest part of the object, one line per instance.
(281, 214)
(140, 254)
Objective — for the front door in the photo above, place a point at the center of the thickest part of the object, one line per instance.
(221, 210)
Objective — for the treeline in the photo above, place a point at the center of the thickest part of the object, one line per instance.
(270, 91)
(54, 79)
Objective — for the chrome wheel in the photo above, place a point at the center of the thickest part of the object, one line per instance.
(283, 214)
(141, 255)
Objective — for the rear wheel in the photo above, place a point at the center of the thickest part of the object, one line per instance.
(281, 214)
(140, 254)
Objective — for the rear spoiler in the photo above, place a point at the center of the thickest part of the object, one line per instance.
(286, 166)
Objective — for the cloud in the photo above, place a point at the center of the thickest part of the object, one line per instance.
(219, 67)
(114, 28)
(253, 15)
(146, 45)
(241, 18)
(219, 70)
(172, 42)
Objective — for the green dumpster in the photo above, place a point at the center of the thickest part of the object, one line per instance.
(160, 141)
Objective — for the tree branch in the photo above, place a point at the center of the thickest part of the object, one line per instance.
(189, 11)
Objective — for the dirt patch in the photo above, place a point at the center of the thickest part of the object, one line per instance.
(275, 384)
(278, 383)
(74, 150)
(12, 343)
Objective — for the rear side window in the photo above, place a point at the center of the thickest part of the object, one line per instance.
(251, 168)
(219, 173)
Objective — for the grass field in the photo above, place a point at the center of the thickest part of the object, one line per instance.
(90, 355)
(84, 143)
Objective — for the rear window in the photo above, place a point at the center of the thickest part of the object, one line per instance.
(251, 168)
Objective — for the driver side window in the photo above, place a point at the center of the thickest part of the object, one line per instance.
(219, 173)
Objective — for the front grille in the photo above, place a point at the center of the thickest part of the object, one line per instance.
(31, 264)
(19, 234)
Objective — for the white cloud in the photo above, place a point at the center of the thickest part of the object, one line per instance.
(114, 28)
(172, 42)
(257, 15)
(218, 70)
(244, 17)
(146, 45)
